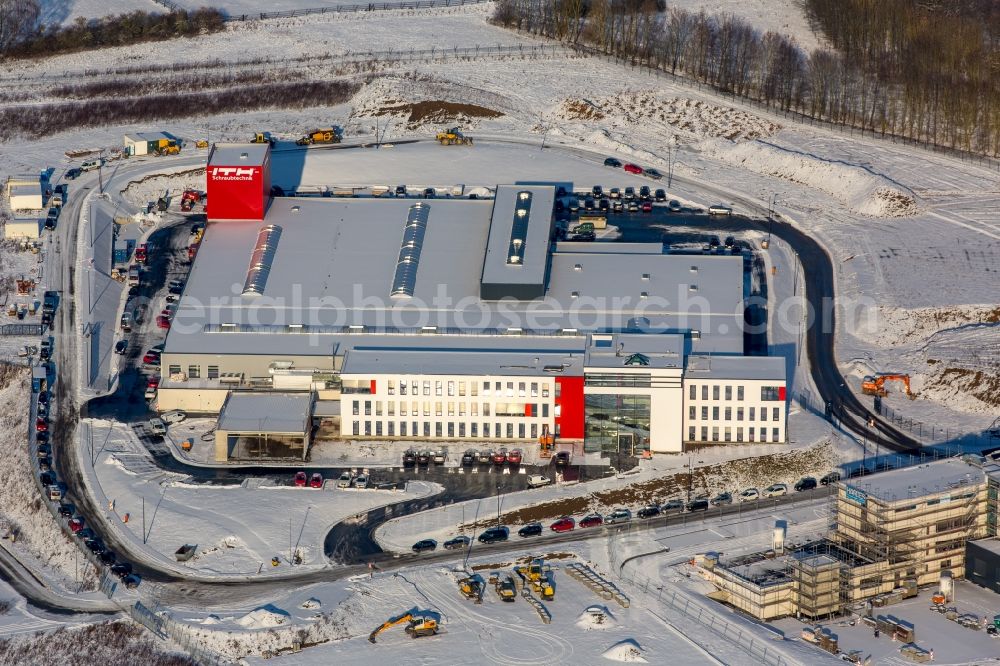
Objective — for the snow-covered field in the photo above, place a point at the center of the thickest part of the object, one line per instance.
(237, 528)
(786, 17)
(65, 12)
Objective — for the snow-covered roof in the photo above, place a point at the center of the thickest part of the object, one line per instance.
(26, 189)
(266, 412)
(635, 351)
(141, 137)
(494, 361)
(336, 261)
(237, 154)
(991, 544)
(701, 366)
(941, 477)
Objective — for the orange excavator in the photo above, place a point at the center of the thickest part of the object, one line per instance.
(875, 384)
(546, 443)
(417, 625)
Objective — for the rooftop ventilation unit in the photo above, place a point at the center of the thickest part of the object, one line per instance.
(261, 259)
(519, 229)
(405, 278)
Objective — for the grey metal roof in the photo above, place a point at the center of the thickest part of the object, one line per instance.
(518, 360)
(266, 412)
(336, 261)
(735, 367)
(517, 248)
(232, 154)
(631, 350)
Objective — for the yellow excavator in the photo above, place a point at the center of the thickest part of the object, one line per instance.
(539, 577)
(506, 589)
(453, 137)
(416, 625)
(472, 587)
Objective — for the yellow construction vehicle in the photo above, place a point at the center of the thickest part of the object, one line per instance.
(263, 137)
(544, 587)
(325, 135)
(539, 577)
(201, 143)
(506, 588)
(167, 147)
(546, 443)
(453, 137)
(472, 588)
(416, 625)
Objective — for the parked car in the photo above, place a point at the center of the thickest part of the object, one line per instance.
(151, 358)
(494, 534)
(43, 450)
(660, 195)
(629, 194)
(832, 477)
(409, 459)
(121, 569)
(749, 494)
(612, 162)
(564, 524)
(537, 481)
(653, 173)
(173, 416)
(722, 499)
(644, 193)
(41, 425)
(618, 516)
(593, 520)
(672, 506)
(807, 483)
(698, 505)
(300, 479)
(400, 191)
(633, 168)
(457, 543)
(713, 242)
(561, 459)
(157, 427)
(121, 346)
(485, 456)
(345, 480)
(615, 193)
(162, 321)
(469, 458)
(94, 545)
(650, 511)
(730, 242)
(530, 530)
(499, 456)
(597, 191)
(775, 490)
(439, 457)
(674, 205)
(41, 437)
(429, 193)
(514, 457)
(719, 209)
(647, 206)
(44, 464)
(424, 544)
(108, 557)
(66, 509)
(316, 480)
(361, 482)
(424, 458)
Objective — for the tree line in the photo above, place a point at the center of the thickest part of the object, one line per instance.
(22, 37)
(894, 77)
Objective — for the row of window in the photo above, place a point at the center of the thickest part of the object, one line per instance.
(727, 413)
(446, 429)
(194, 371)
(767, 393)
(754, 434)
(452, 388)
(451, 408)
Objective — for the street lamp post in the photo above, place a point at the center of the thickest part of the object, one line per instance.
(498, 505)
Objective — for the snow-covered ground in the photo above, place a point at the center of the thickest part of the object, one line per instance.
(786, 17)
(237, 528)
(65, 12)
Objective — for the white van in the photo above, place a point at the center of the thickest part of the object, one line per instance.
(719, 209)
(537, 481)
(91, 165)
(172, 417)
(157, 427)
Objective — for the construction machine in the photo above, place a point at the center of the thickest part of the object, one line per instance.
(875, 384)
(189, 199)
(539, 577)
(324, 135)
(453, 137)
(416, 625)
(546, 443)
(472, 588)
(201, 143)
(506, 588)
(263, 137)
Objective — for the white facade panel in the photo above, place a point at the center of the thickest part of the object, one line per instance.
(734, 411)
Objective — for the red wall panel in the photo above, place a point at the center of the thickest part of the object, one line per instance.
(571, 418)
(239, 192)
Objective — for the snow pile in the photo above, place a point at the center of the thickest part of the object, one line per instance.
(596, 618)
(627, 651)
(888, 326)
(310, 603)
(264, 617)
(141, 192)
(652, 111)
(864, 192)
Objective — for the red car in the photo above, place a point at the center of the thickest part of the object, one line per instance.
(514, 457)
(151, 358)
(633, 168)
(500, 457)
(41, 425)
(316, 481)
(75, 525)
(564, 524)
(300, 479)
(153, 383)
(647, 206)
(593, 520)
(163, 322)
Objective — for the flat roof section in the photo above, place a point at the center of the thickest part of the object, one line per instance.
(283, 413)
(137, 137)
(492, 361)
(238, 154)
(635, 351)
(702, 366)
(952, 475)
(517, 249)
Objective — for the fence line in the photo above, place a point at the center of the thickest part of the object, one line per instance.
(336, 9)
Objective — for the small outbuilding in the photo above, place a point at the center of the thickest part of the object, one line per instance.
(23, 228)
(26, 196)
(147, 143)
(264, 426)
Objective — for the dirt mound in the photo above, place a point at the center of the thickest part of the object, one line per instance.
(596, 618)
(627, 651)
(579, 109)
(964, 388)
(435, 111)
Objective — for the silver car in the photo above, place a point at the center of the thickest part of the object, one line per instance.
(618, 516)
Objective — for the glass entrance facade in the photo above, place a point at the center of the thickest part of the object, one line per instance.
(617, 423)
